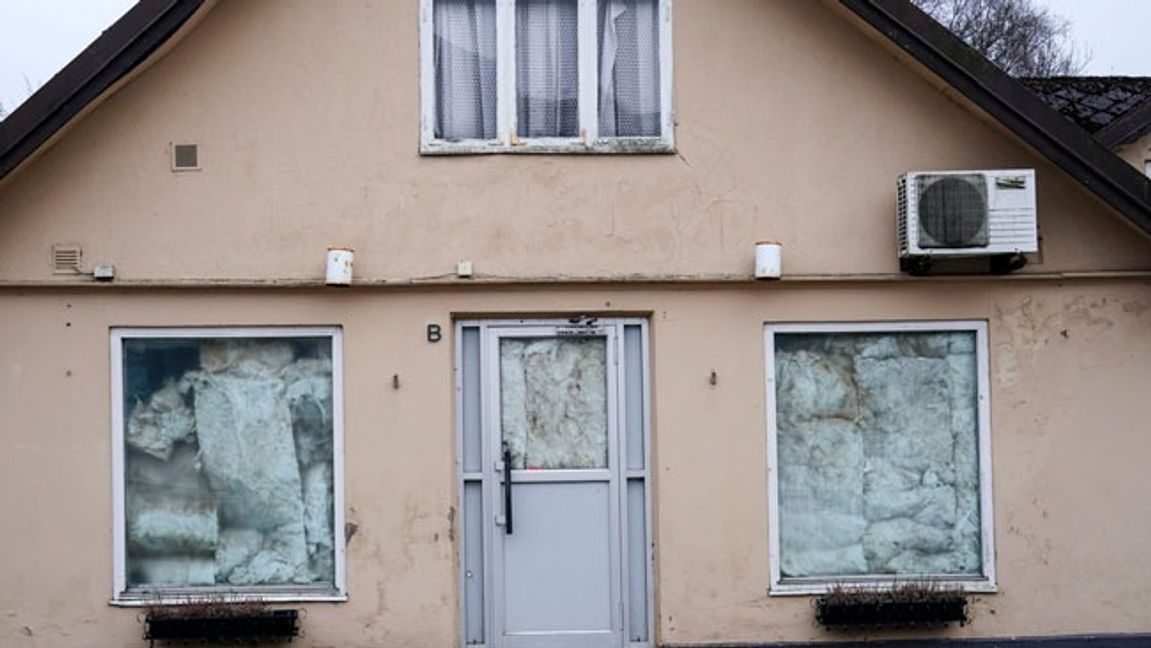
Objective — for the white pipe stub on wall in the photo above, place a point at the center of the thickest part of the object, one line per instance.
(768, 259)
(339, 267)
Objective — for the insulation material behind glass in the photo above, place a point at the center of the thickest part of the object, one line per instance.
(877, 438)
(228, 461)
(553, 401)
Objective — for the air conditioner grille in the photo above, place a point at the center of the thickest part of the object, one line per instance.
(901, 213)
(952, 211)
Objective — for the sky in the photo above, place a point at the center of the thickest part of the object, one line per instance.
(38, 37)
(1116, 32)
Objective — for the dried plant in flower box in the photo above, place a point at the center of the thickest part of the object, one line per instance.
(219, 619)
(912, 604)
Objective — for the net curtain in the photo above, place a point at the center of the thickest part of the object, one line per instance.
(629, 91)
(465, 63)
(547, 68)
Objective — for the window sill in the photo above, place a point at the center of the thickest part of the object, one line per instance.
(634, 146)
(820, 587)
(182, 597)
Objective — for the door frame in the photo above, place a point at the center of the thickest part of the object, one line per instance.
(632, 541)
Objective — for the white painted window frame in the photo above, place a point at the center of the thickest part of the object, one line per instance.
(507, 140)
(121, 595)
(985, 583)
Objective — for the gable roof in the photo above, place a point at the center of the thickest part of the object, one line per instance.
(147, 26)
(1008, 101)
(1100, 105)
(115, 54)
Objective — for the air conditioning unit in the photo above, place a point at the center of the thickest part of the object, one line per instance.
(949, 214)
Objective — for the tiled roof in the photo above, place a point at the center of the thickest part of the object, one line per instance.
(1092, 102)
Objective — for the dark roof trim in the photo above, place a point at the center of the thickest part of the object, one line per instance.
(122, 47)
(1065, 144)
(1126, 129)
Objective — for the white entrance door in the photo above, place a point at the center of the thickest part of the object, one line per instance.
(555, 488)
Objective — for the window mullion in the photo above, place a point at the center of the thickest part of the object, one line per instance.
(588, 74)
(427, 74)
(506, 72)
(667, 112)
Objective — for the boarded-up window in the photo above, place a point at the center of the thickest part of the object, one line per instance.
(228, 471)
(553, 402)
(877, 446)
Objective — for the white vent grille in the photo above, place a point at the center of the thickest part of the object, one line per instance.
(67, 259)
(966, 213)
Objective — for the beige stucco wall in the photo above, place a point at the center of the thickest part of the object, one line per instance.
(793, 125)
(1069, 442)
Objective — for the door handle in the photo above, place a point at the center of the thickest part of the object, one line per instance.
(507, 489)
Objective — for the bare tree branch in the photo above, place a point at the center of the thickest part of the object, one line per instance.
(30, 88)
(1021, 37)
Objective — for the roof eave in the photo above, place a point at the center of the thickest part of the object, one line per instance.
(1071, 148)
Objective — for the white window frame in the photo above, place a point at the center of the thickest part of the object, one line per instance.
(507, 140)
(121, 595)
(984, 583)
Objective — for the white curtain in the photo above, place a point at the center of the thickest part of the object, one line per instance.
(547, 68)
(629, 90)
(465, 62)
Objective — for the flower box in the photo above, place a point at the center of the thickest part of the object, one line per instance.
(244, 626)
(912, 605)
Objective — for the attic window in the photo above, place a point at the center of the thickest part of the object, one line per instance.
(185, 157)
(553, 76)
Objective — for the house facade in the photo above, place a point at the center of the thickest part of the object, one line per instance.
(554, 406)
